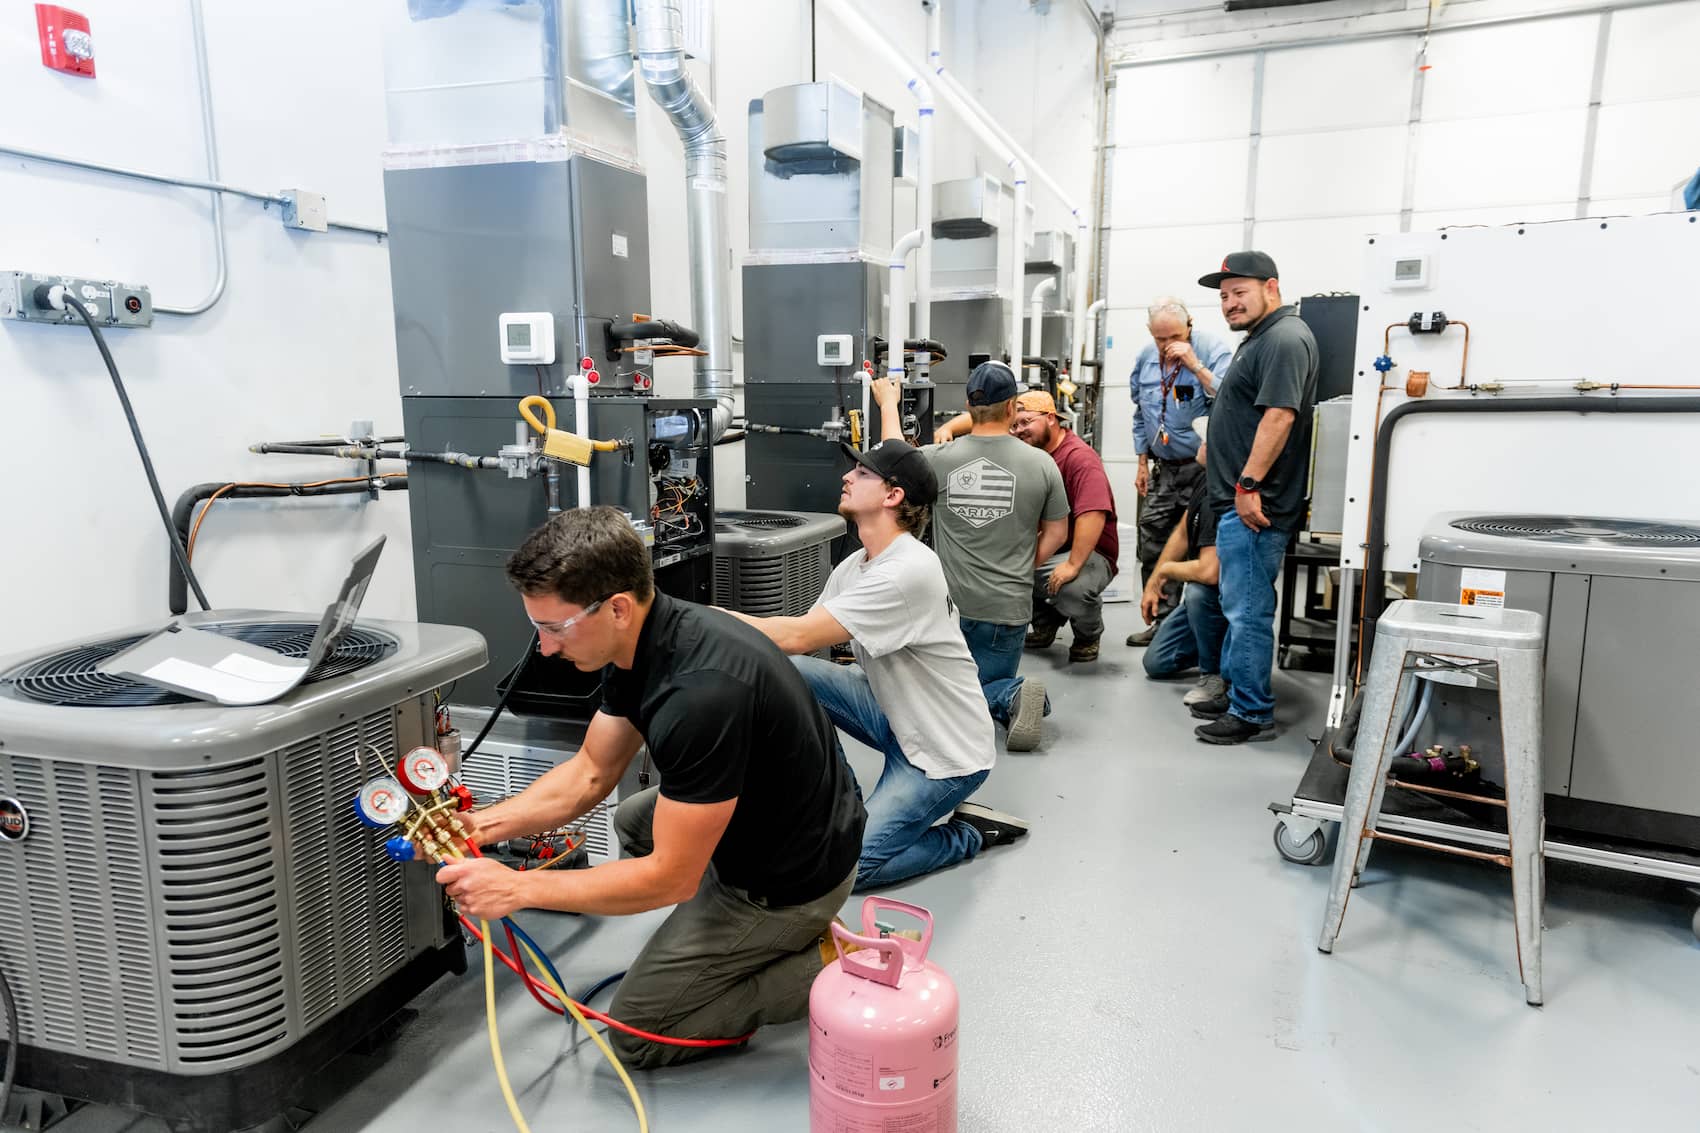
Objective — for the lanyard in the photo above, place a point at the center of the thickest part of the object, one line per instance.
(1169, 380)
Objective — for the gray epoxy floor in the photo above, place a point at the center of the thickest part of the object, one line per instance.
(1145, 961)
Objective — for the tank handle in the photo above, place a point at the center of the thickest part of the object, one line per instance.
(880, 959)
(870, 910)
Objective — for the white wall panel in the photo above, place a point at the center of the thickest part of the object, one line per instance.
(1330, 87)
(1180, 183)
(1174, 102)
(1634, 206)
(1320, 255)
(1331, 174)
(1148, 262)
(1514, 69)
(1652, 53)
(1500, 161)
(1645, 147)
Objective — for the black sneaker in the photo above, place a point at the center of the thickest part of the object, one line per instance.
(1230, 729)
(1212, 709)
(995, 827)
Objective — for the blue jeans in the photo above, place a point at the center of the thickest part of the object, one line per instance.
(1191, 639)
(1251, 564)
(996, 650)
(901, 839)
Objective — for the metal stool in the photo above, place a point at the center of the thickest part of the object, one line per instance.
(1462, 645)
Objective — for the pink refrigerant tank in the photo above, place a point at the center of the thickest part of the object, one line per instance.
(882, 1034)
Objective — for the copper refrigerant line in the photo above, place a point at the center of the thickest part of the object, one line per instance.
(1416, 386)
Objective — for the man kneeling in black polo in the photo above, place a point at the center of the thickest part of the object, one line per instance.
(756, 827)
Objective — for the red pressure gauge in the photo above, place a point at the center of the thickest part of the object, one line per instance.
(423, 770)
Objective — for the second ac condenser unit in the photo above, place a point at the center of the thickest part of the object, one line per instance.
(1621, 599)
(769, 563)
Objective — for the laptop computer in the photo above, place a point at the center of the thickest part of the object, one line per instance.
(223, 670)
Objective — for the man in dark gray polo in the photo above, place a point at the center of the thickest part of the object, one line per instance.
(1255, 472)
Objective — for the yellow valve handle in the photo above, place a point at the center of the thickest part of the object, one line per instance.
(548, 422)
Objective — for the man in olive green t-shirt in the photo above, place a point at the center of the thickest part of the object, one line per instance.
(1002, 511)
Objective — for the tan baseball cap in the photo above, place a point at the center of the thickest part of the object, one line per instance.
(1037, 401)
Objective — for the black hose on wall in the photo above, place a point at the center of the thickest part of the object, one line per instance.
(183, 512)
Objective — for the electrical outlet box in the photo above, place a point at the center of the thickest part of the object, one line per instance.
(108, 302)
(304, 210)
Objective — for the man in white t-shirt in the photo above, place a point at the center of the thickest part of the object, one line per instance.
(915, 693)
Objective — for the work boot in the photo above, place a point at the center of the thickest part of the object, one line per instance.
(996, 828)
(1040, 637)
(1143, 638)
(1083, 649)
(1211, 686)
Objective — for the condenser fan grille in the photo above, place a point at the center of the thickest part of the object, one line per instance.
(71, 677)
(758, 521)
(1576, 531)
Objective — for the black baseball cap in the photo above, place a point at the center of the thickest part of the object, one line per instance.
(902, 465)
(1242, 265)
(991, 382)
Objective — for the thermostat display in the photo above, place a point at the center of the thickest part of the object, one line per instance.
(833, 350)
(1409, 271)
(527, 337)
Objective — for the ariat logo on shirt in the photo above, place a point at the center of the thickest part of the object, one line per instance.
(980, 492)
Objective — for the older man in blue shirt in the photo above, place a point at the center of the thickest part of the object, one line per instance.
(1173, 380)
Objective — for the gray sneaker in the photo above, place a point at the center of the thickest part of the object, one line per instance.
(1211, 686)
(1027, 716)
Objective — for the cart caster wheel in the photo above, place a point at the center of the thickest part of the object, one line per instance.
(1312, 849)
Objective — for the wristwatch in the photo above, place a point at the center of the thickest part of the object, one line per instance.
(1248, 484)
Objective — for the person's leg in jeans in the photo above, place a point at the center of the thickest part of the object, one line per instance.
(1251, 564)
(1175, 648)
(1203, 605)
(900, 840)
(721, 965)
(996, 650)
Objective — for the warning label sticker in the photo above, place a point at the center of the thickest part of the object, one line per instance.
(1482, 588)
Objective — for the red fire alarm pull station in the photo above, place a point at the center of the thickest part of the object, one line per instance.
(66, 44)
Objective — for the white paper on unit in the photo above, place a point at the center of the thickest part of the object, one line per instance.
(234, 680)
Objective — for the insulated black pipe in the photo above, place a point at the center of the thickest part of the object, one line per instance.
(661, 329)
(1375, 547)
(183, 512)
(932, 346)
(1046, 365)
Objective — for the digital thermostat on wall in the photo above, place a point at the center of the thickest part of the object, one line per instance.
(833, 349)
(527, 337)
(1409, 271)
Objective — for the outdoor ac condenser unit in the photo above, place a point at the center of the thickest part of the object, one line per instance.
(769, 563)
(1621, 598)
(196, 922)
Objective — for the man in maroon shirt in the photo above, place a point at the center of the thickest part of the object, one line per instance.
(1069, 586)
